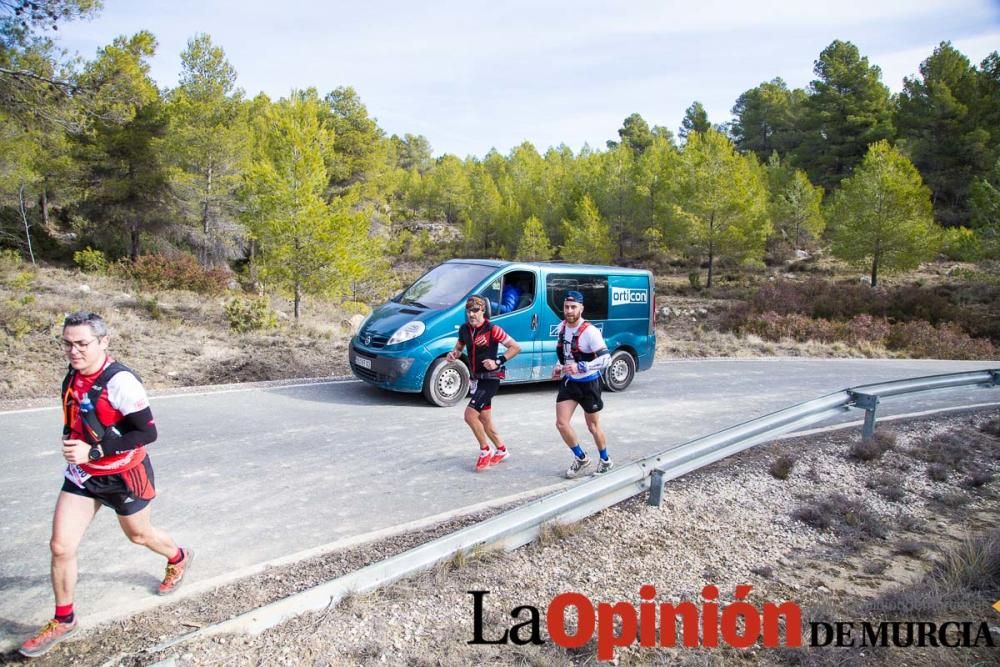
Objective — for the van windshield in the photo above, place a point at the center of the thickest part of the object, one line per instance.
(444, 285)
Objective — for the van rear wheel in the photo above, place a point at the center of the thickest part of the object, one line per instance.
(446, 382)
(620, 371)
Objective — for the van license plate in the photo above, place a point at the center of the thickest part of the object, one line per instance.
(364, 363)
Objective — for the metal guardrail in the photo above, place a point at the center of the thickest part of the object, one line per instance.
(521, 525)
(697, 453)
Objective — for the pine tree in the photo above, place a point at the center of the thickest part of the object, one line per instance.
(984, 199)
(720, 201)
(695, 120)
(881, 216)
(794, 204)
(534, 245)
(767, 119)
(848, 108)
(940, 129)
(206, 149)
(588, 238)
(306, 245)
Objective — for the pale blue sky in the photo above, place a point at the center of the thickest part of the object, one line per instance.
(472, 75)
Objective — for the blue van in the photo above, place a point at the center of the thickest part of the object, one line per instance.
(402, 345)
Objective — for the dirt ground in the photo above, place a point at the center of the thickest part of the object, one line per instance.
(172, 338)
(731, 523)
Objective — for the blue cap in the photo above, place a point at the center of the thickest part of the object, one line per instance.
(572, 296)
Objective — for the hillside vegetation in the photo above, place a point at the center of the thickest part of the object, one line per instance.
(178, 337)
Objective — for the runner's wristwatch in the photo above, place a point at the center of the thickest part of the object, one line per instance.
(95, 453)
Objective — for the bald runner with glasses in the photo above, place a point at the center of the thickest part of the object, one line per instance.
(107, 424)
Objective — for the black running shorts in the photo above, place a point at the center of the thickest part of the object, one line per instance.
(482, 397)
(125, 493)
(587, 394)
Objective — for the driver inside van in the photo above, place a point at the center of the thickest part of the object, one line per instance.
(509, 299)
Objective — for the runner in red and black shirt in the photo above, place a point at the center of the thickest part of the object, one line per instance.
(107, 423)
(483, 340)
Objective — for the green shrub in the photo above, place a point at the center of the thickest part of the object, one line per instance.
(356, 308)
(948, 449)
(887, 485)
(179, 272)
(976, 276)
(10, 259)
(250, 315)
(911, 548)
(977, 478)
(18, 320)
(152, 306)
(781, 467)
(18, 327)
(937, 472)
(694, 278)
(90, 260)
(851, 520)
(24, 280)
(961, 243)
(873, 448)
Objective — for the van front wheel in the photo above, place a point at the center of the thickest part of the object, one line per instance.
(446, 383)
(620, 371)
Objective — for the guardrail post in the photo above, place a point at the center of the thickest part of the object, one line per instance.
(868, 403)
(996, 377)
(656, 488)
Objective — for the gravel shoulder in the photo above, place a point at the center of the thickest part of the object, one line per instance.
(730, 524)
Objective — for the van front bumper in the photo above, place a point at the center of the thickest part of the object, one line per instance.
(397, 372)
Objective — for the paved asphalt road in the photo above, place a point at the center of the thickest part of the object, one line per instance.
(250, 476)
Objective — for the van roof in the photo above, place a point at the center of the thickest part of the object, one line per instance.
(552, 266)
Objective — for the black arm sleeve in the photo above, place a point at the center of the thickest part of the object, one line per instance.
(134, 430)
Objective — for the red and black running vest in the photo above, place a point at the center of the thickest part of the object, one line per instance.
(481, 345)
(90, 427)
(573, 344)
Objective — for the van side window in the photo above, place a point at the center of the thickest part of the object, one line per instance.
(518, 292)
(593, 287)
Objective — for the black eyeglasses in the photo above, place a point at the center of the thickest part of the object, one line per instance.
(475, 309)
(80, 345)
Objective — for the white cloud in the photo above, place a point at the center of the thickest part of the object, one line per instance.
(471, 74)
(906, 63)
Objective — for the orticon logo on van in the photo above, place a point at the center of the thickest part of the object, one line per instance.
(621, 296)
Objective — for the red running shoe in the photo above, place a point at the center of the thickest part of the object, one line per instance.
(498, 456)
(175, 573)
(51, 634)
(483, 461)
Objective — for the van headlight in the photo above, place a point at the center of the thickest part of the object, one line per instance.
(408, 331)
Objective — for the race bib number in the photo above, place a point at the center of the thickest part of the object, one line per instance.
(76, 474)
